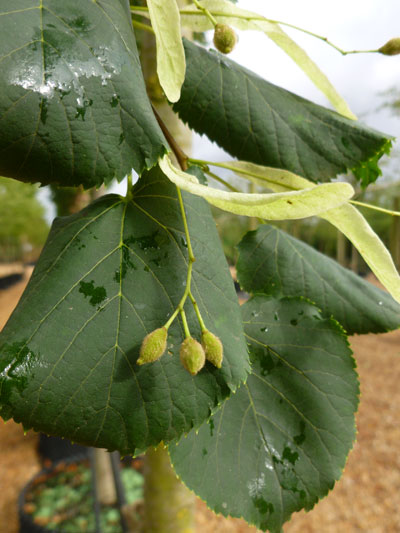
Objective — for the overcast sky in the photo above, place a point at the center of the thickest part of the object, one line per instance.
(350, 24)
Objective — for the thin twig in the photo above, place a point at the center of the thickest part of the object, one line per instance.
(179, 153)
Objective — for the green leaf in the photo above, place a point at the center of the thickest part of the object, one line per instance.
(107, 277)
(73, 104)
(370, 172)
(273, 262)
(198, 173)
(346, 218)
(171, 65)
(280, 443)
(225, 13)
(259, 122)
(275, 206)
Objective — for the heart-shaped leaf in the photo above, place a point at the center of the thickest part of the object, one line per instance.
(280, 443)
(273, 262)
(107, 277)
(259, 122)
(73, 104)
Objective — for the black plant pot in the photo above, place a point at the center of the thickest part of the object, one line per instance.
(26, 523)
(55, 448)
(72, 477)
(10, 280)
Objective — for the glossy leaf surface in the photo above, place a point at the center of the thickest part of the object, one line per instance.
(73, 105)
(280, 443)
(107, 277)
(259, 122)
(273, 262)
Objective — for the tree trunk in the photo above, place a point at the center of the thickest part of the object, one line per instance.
(168, 504)
(341, 249)
(69, 200)
(354, 264)
(104, 477)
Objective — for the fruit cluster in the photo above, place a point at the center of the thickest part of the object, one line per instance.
(193, 355)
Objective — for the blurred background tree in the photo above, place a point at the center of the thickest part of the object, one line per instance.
(23, 226)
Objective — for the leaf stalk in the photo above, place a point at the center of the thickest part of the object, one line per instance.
(191, 260)
(206, 12)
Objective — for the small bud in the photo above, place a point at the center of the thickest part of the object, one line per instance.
(225, 38)
(391, 48)
(213, 348)
(192, 355)
(153, 346)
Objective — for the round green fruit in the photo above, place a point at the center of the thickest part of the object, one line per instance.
(213, 348)
(391, 48)
(192, 355)
(153, 346)
(225, 38)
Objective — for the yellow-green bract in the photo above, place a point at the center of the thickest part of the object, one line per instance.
(345, 217)
(171, 65)
(282, 206)
(227, 13)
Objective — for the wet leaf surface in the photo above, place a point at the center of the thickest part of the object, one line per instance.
(256, 121)
(273, 262)
(280, 443)
(106, 278)
(73, 105)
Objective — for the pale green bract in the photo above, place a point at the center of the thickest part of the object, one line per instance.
(282, 206)
(352, 224)
(345, 217)
(171, 63)
(219, 8)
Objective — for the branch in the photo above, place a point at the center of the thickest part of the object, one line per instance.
(179, 153)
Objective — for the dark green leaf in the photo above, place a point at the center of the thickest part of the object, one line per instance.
(273, 262)
(73, 105)
(259, 122)
(107, 277)
(196, 171)
(280, 443)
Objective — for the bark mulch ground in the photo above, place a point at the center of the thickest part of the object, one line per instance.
(366, 499)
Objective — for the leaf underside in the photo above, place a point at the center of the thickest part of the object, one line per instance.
(107, 277)
(257, 121)
(272, 262)
(279, 444)
(73, 104)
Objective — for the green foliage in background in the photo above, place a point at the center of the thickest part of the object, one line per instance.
(22, 218)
